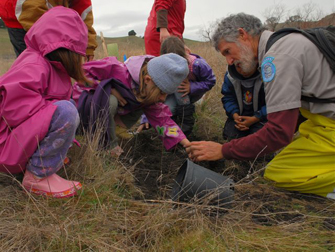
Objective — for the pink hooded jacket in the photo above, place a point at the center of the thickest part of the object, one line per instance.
(33, 83)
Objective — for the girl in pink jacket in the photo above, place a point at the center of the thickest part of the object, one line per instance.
(140, 85)
(38, 122)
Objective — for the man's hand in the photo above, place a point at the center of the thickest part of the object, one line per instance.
(119, 97)
(163, 34)
(185, 87)
(204, 150)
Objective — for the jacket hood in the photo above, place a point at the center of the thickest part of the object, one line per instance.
(134, 65)
(58, 27)
(236, 75)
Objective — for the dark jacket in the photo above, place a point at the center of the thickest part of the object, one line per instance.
(232, 94)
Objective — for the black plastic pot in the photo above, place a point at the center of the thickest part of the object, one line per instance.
(197, 184)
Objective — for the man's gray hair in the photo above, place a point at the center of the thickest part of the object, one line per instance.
(227, 28)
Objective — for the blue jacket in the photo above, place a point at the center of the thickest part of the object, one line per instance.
(232, 94)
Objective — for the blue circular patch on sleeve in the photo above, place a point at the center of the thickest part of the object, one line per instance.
(268, 69)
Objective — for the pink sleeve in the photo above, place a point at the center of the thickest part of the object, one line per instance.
(159, 117)
(276, 133)
(101, 69)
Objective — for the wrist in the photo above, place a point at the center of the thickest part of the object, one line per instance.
(235, 116)
(184, 142)
(163, 30)
(256, 119)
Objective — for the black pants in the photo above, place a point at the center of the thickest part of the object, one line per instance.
(16, 36)
(230, 132)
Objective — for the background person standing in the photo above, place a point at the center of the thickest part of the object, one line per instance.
(166, 19)
(19, 16)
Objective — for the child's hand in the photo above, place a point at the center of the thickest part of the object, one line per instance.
(143, 126)
(185, 87)
(119, 97)
(236, 117)
(244, 122)
(89, 58)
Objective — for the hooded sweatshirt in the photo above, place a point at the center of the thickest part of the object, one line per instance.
(232, 94)
(33, 83)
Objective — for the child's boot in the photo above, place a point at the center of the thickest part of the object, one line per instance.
(53, 185)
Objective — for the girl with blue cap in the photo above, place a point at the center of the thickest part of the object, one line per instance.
(123, 91)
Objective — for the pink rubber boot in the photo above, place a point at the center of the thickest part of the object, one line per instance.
(54, 185)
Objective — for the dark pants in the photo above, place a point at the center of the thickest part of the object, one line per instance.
(230, 132)
(16, 36)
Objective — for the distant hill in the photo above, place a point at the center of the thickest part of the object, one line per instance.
(137, 41)
(129, 45)
(132, 45)
(327, 20)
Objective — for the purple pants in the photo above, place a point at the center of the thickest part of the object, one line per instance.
(50, 154)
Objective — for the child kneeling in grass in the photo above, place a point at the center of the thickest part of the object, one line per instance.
(123, 91)
(38, 122)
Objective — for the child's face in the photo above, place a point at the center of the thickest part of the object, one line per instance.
(150, 84)
(162, 97)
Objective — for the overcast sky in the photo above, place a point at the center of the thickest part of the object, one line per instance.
(116, 18)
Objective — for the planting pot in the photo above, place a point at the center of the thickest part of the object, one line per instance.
(197, 184)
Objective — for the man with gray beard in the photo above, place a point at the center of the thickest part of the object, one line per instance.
(296, 76)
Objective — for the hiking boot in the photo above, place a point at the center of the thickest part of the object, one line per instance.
(51, 186)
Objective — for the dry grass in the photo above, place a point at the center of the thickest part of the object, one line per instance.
(106, 217)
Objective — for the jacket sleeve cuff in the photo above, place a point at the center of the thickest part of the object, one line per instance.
(162, 21)
(226, 151)
(258, 115)
(144, 119)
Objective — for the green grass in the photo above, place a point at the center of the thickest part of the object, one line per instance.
(6, 48)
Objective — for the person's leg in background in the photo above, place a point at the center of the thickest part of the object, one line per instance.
(16, 36)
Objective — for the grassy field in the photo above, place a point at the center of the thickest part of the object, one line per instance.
(111, 213)
(7, 54)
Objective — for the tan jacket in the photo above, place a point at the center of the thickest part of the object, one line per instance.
(28, 11)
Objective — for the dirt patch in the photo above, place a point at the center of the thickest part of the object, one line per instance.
(154, 168)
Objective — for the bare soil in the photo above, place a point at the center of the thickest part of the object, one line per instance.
(155, 170)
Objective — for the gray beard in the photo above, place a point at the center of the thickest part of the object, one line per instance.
(247, 62)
